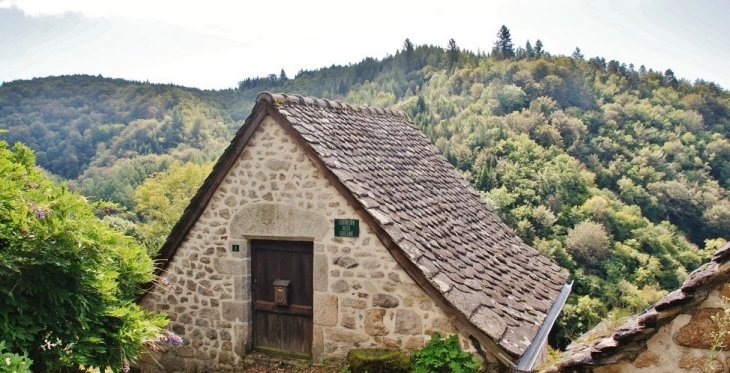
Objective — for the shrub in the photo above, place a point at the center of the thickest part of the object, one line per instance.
(67, 281)
(13, 363)
(443, 356)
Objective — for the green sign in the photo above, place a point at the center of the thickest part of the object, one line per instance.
(347, 228)
(235, 248)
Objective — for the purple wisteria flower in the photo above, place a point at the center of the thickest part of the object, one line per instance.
(174, 339)
(170, 338)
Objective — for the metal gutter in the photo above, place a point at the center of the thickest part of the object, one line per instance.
(527, 362)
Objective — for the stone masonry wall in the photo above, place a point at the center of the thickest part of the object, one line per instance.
(362, 298)
(684, 345)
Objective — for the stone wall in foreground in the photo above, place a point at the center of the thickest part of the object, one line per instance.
(362, 298)
(684, 345)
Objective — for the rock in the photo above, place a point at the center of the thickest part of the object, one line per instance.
(276, 164)
(346, 262)
(230, 266)
(724, 291)
(317, 343)
(199, 354)
(378, 360)
(407, 322)
(340, 286)
(226, 357)
(393, 276)
(385, 301)
(325, 309)
(697, 333)
(178, 329)
(235, 311)
(348, 321)
(390, 343)
(209, 313)
(646, 359)
(172, 362)
(374, 322)
(697, 363)
(443, 325)
(186, 351)
(321, 270)
(346, 336)
(354, 303)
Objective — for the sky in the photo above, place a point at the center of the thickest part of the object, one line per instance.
(213, 44)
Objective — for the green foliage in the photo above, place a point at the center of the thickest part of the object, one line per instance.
(722, 323)
(13, 363)
(443, 355)
(503, 47)
(67, 281)
(162, 198)
(579, 315)
(589, 245)
(73, 122)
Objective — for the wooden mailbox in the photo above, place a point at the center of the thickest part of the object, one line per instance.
(281, 292)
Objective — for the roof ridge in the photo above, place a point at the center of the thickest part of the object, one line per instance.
(277, 98)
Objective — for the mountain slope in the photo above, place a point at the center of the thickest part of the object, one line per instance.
(619, 174)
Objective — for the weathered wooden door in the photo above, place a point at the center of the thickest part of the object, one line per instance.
(282, 329)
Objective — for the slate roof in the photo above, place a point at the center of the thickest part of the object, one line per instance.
(438, 225)
(602, 347)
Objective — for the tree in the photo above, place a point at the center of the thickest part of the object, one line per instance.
(577, 54)
(421, 104)
(529, 51)
(453, 52)
(162, 198)
(539, 52)
(669, 77)
(409, 52)
(579, 315)
(589, 244)
(67, 280)
(282, 76)
(504, 43)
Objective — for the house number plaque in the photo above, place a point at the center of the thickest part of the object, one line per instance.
(347, 228)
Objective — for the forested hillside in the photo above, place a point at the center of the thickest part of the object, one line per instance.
(618, 173)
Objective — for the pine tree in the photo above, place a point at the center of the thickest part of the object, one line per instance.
(577, 54)
(539, 52)
(409, 52)
(453, 52)
(504, 43)
(282, 76)
(529, 51)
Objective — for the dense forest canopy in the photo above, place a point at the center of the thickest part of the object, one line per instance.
(618, 173)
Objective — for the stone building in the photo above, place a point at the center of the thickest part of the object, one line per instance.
(325, 227)
(674, 335)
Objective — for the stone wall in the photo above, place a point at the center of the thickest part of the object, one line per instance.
(362, 298)
(684, 345)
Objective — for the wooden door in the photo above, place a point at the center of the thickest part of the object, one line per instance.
(278, 329)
